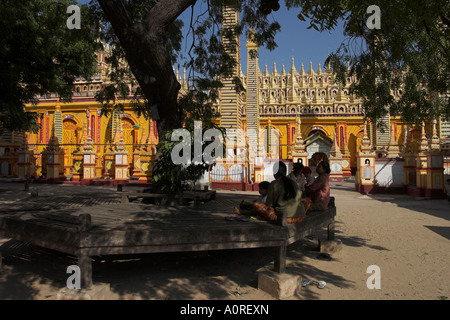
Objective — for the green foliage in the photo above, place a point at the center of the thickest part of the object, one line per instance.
(172, 178)
(409, 54)
(40, 55)
(208, 60)
(120, 75)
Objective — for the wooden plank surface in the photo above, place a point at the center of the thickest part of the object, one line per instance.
(138, 228)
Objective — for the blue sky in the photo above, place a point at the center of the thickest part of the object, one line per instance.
(294, 40)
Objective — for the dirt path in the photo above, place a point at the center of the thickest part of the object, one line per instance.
(409, 240)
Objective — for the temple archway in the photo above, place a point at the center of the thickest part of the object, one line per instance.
(318, 142)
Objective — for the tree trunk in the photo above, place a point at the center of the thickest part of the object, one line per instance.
(144, 45)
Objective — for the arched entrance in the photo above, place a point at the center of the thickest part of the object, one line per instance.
(318, 142)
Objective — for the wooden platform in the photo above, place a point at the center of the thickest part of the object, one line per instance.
(179, 199)
(116, 228)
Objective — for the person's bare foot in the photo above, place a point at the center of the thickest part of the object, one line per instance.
(236, 210)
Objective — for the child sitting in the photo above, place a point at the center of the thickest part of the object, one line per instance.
(258, 208)
(308, 175)
(248, 206)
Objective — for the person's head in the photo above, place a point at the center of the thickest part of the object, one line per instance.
(297, 169)
(263, 187)
(279, 170)
(307, 171)
(323, 167)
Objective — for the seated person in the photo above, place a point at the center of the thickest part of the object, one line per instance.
(297, 176)
(263, 188)
(319, 190)
(248, 206)
(307, 172)
(285, 195)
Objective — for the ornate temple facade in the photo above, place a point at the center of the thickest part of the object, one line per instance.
(312, 116)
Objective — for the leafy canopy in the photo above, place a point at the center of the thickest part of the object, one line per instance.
(402, 68)
(40, 55)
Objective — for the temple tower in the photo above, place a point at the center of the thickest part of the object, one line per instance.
(231, 101)
(252, 96)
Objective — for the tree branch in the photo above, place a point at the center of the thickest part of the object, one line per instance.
(165, 12)
(115, 10)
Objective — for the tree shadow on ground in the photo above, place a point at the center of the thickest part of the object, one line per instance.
(26, 269)
(224, 274)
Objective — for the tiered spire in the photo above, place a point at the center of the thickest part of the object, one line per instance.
(423, 140)
(53, 143)
(118, 137)
(184, 86)
(291, 83)
(319, 71)
(274, 71)
(335, 150)
(311, 69)
(393, 150)
(299, 143)
(365, 143)
(293, 70)
(434, 145)
(302, 70)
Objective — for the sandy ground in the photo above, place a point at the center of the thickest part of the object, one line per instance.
(409, 240)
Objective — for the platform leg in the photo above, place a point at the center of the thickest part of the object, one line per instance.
(280, 259)
(331, 231)
(85, 264)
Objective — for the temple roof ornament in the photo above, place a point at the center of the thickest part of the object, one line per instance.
(335, 150)
(274, 71)
(393, 151)
(293, 71)
(53, 143)
(319, 71)
(302, 70)
(118, 137)
(311, 69)
(184, 86)
(435, 142)
(299, 143)
(365, 143)
(423, 140)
